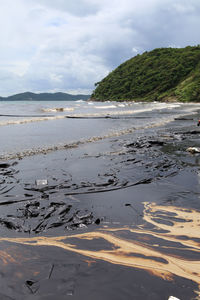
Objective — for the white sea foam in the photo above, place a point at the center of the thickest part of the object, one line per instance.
(57, 109)
(124, 112)
(170, 106)
(30, 120)
(105, 107)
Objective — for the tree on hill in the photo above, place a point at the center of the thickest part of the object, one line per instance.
(161, 74)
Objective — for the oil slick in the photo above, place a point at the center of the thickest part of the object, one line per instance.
(166, 231)
(183, 222)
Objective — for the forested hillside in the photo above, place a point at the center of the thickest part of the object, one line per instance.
(164, 74)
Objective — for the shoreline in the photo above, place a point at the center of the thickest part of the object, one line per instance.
(174, 100)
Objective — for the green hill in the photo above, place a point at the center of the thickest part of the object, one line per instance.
(164, 74)
(28, 96)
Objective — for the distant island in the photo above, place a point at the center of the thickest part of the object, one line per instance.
(164, 74)
(28, 96)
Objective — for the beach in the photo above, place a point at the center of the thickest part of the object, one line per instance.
(99, 200)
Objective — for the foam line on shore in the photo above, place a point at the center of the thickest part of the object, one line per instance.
(75, 144)
(35, 119)
(58, 109)
(24, 116)
(64, 146)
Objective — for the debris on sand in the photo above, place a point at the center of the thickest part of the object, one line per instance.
(193, 150)
(41, 182)
(33, 217)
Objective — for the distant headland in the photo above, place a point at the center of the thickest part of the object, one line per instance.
(164, 74)
(28, 96)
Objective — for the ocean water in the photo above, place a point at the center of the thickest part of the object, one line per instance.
(28, 128)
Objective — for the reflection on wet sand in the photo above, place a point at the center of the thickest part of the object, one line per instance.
(6, 258)
(179, 227)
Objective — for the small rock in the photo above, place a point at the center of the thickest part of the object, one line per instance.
(98, 221)
(33, 286)
(4, 165)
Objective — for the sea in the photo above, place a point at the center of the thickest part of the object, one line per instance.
(31, 127)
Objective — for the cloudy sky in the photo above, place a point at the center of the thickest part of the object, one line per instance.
(68, 45)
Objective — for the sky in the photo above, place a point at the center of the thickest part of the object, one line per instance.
(68, 45)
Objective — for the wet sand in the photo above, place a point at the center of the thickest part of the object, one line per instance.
(117, 219)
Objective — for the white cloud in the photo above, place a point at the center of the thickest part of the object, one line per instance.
(49, 45)
(134, 50)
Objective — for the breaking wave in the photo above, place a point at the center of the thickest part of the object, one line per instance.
(29, 120)
(94, 114)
